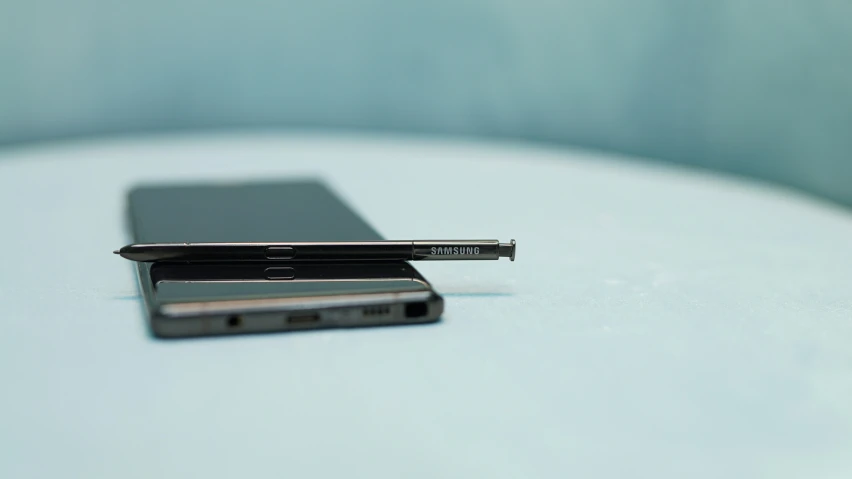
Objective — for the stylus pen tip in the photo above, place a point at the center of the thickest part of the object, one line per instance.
(116, 252)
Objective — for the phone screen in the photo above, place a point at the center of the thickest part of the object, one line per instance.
(256, 212)
(253, 212)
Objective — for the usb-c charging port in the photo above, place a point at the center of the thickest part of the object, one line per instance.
(303, 318)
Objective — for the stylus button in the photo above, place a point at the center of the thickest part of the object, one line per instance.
(280, 273)
(280, 252)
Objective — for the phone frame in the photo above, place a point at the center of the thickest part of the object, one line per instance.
(274, 313)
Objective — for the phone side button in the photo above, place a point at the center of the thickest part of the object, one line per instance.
(280, 273)
(280, 252)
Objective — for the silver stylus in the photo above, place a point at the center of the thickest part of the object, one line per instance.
(322, 251)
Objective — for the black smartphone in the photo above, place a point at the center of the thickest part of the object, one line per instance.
(209, 298)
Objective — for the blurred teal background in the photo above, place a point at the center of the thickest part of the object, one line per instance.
(758, 88)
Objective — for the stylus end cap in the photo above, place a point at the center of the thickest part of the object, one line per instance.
(507, 250)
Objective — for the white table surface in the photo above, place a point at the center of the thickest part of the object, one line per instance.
(657, 323)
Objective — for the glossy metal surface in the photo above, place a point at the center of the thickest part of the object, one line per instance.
(462, 250)
(237, 298)
(256, 271)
